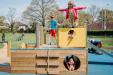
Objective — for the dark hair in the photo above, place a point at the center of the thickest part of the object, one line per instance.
(71, 32)
(76, 61)
(51, 17)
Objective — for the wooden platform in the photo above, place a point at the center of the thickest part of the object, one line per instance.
(37, 62)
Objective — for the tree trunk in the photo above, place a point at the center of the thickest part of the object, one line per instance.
(11, 27)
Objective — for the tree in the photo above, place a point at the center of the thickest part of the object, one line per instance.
(105, 18)
(2, 19)
(11, 17)
(3, 25)
(33, 25)
(85, 18)
(94, 11)
(39, 10)
(105, 15)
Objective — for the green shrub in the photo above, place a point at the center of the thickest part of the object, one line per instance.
(100, 33)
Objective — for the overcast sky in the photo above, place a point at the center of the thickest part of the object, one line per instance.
(21, 5)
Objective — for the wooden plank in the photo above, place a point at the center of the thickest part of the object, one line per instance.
(45, 56)
(51, 57)
(72, 73)
(23, 71)
(22, 60)
(24, 51)
(23, 68)
(53, 64)
(44, 71)
(54, 72)
(5, 69)
(41, 71)
(45, 60)
(72, 53)
(23, 55)
(23, 64)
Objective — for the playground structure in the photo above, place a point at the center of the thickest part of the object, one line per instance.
(41, 61)
(46, 60)
(93, 60)
(69, 57)
(56, 60)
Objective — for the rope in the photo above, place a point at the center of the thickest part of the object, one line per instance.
(49, 40)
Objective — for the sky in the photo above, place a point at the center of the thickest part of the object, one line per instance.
(21, 5)
(88, 3)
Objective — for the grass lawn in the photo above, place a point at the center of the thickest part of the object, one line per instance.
(1, 45)
(13, 39)
(30, 38)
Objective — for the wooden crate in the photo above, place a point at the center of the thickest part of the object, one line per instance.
(78, 40)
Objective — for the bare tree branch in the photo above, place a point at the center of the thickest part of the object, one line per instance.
(11, 17)
(40, 9)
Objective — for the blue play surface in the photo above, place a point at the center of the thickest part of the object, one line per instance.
(98, 65)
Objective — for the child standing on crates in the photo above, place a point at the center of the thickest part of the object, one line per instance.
(53, 31)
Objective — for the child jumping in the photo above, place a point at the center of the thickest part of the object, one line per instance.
(72, 12)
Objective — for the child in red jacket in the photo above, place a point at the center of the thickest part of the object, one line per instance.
(72, 12)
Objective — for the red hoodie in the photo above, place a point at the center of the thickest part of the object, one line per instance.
(75, 11)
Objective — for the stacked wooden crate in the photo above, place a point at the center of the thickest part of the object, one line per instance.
(23, 62)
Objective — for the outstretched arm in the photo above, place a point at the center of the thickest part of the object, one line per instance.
(62, 9)
(79, 8)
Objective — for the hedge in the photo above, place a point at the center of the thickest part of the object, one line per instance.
(100, 33)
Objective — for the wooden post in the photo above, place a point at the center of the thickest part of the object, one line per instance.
(9, 49)
(44, 36)
(47, 61)
(41, 35)
(37, 35)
